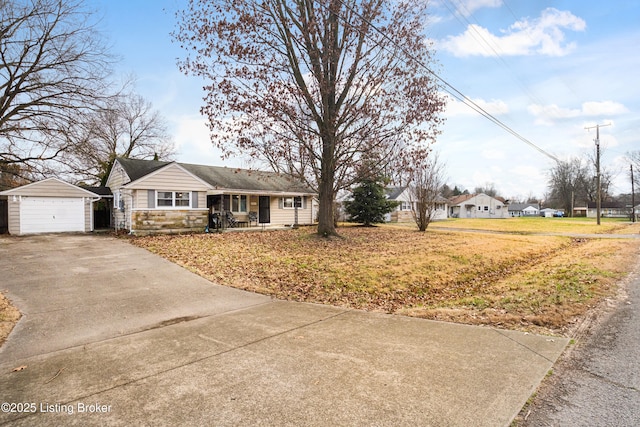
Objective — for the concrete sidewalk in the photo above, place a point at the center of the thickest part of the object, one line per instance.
(142, 341)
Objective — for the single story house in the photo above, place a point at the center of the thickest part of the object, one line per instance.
(158, 197)
(478, 206)
(403, 212)
(49, 206)
(523, 209)
(609, 210)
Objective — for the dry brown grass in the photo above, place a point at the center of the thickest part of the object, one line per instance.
(9, 315)
(539, 283)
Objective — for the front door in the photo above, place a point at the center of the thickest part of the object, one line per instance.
(264, 209)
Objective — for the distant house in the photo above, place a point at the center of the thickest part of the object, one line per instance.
(523, 209)
(608, 210)
(403, 212)
(478, 206)
(159, 197)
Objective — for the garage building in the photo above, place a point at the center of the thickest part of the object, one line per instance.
(49, 206)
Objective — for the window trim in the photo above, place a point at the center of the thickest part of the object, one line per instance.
(239, 198)
(295, 200)
(174, 200)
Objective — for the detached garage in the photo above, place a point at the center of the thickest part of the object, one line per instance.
(49, 206)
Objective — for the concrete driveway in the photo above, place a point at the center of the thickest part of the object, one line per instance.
(113, 335)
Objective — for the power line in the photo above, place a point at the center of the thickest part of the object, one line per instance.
(449, 88)
(495, 48)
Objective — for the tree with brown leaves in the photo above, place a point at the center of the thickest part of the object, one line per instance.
(314, 86)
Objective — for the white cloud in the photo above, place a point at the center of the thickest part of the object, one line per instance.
(494, 107)
(548, 114)
(544, 35)
(467, 7)
(193, 142)
(610, 108)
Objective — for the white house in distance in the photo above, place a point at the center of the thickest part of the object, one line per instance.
(523, 209)
(478, 206)
(403, 212)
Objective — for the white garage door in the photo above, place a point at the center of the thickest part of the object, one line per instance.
(51, 214)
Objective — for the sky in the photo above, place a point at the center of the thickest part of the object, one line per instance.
(546, 69)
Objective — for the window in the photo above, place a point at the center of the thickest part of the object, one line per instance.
(238, 203)
(173, 199)
(405, 206)
(234, 203)
(486, 208)
(182, 198)
(291, 202)
(117, 201)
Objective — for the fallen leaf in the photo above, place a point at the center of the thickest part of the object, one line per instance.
(20, 368)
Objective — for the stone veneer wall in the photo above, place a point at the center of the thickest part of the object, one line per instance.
(169, 221)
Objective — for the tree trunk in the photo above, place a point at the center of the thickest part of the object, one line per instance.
(326, 226)
(326, 192)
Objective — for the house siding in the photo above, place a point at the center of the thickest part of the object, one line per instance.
(406, 215)
(282, 216)
(469, 208)
(88, 215)
(117, 178)
(14, 216)
(170, 178)
(51, 188)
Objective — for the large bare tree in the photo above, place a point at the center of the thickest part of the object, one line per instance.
(314, 86)
(125, 125)
(53, 66)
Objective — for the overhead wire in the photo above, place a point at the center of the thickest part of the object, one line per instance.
(449, 88)
(462, 13)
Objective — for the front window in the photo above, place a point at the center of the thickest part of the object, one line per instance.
(173, 199)
(238, 203)
(235, 203)
(292, 202)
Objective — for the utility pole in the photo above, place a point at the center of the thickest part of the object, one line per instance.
(598, 185)
(633, 198)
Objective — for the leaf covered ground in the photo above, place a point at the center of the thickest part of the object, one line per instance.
(526, 282)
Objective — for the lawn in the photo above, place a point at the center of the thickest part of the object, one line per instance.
(529, 225)
(518, 281)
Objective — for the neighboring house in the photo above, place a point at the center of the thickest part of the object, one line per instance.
(478, 206)
(403, 212)
(523, 209)
(608, 210)
(49, 206)
(156, 197)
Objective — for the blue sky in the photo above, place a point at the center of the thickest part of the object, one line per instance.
(547, 69)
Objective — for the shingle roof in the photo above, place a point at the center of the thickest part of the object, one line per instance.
(100, 191)
(394, 192)
(136, 168)
(460, 199)
(245, 179)
(223, 177)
